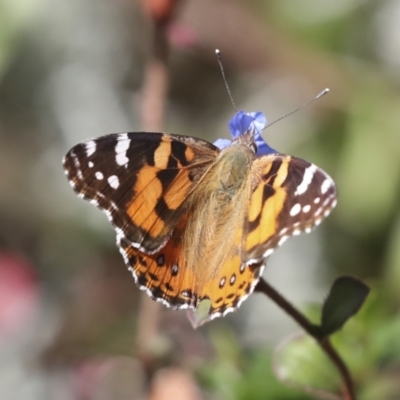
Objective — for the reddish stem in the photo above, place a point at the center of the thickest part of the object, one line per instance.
(153, 98)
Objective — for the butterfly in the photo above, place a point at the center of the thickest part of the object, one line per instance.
(196, 221)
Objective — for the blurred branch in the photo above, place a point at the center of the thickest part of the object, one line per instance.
(155, 83)
(314, 331)
(153, 97)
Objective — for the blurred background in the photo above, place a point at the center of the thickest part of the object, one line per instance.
(72, 321)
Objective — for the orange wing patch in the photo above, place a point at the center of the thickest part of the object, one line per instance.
(233, 283)
(266, 203)
(152, 205)
(160, 189)
(163, 274)
(289, 196)
(166, 278)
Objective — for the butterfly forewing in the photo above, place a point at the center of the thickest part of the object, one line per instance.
(290, 196)
(140, 180)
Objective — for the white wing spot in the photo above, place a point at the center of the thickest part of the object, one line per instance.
(90, 147)
(90, 164)
(307, 178)
(113, 181)
(222, 282)
(334, 203)
(113, 206)
(326, 184)
(268, 253)
(120, 234)
(319, 211)
(306, 208)
(233, 279)
(282, 240)
(126, 259)
(99, 175)
(295, 209)
(317, 200)
(121, 149)
(283, 231)
(326, 202)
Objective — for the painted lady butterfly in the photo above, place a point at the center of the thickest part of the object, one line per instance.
(196, 220)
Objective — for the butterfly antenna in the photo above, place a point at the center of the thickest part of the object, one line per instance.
(219, 56)
(318, 96)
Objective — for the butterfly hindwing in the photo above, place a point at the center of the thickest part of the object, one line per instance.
(166, 278)
(232, 282)
(140, 180)
(290, 196)
(162, 274)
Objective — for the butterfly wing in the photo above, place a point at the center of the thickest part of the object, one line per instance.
(289, 196)
(165, 277)
(232, 282)
(140, 180)
(162, 274)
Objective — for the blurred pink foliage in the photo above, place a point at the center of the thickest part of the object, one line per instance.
(182, 36)
(19, 294)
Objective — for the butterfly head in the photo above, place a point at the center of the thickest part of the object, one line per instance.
(247, 127)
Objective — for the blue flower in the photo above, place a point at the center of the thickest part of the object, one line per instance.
(243, 122)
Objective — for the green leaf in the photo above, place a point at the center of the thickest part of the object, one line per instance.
(200, 315)
(344, 300)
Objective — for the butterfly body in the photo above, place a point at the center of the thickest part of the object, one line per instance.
(216, 214)
(194, 220)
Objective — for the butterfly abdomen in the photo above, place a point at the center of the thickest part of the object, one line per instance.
(217, 212)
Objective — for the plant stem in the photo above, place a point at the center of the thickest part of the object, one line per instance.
(153, 98)
(312, 330)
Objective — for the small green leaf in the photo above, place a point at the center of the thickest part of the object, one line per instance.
(344, 300)
(200, 315)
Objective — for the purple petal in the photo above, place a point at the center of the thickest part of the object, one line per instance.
(242, 122)
(254, 122)
(222, 143)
